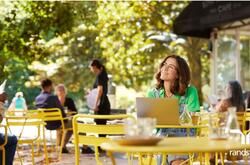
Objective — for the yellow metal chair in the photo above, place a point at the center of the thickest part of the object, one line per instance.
(246, 122)
(82, 130)
(5, 142)
(241, 121)
(52, 114)
(31, 118)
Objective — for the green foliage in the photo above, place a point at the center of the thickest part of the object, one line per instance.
(58, 39)
(125, 38)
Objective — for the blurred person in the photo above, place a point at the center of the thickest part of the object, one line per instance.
(47, 100)
(173, 81)
(69, 104)
(101, 83)
(18, 103)
(10, 147)
(233, 97)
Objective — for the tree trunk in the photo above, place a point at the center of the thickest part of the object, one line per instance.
(193, 48)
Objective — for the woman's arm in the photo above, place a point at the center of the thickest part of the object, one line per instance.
(98, 97)
(3, 97)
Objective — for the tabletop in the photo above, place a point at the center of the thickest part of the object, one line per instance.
(180, 145)
(181, 126)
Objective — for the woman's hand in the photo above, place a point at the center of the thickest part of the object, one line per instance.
(3, 97)
(96, 109)
(1, 118)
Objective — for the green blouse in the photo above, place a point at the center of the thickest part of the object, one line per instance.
(190, 98)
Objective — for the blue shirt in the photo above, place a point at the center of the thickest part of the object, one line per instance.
(20, 102)
(47, 100)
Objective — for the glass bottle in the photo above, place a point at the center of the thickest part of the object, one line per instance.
(232, 126)
(185, 117)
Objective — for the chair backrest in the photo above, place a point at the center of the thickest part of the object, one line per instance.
(246, 123)
(52, 114)
(32, 118)
(240, 119)
(82, 130)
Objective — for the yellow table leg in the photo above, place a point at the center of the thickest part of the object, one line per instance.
(140, 159)
(191, 158)
(110, 154)
(200, 158)
(222, 158)
(164, 159)
(207, 157)
(150, 159)
(216, 158)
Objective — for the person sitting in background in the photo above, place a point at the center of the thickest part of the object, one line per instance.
(10, 147)
(18, 104)
(69, 104)
(246, 96)
(233, 98)
(46, 100)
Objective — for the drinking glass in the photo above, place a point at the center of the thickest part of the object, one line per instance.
(195, 118)
(217, 125)
(141, 127)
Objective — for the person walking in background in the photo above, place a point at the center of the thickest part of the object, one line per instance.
(10, 147)
(102, 105)
(69, 104)
(233, 98)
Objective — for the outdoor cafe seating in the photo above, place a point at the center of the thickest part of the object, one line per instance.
(31, 118)
(86, 132)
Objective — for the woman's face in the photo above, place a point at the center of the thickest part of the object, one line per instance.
(94, 69)
(169, 70)
(228, 93)
(60, 91)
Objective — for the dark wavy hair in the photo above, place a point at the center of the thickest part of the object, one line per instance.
(236, 99)
(183, 71)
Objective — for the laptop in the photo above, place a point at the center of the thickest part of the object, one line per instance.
(165, 110)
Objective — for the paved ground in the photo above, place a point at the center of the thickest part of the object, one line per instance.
(67, 159)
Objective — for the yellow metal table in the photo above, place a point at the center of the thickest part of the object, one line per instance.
(178, 145)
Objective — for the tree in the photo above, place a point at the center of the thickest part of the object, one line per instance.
(25, 28)
(62, 37)
(125, 38)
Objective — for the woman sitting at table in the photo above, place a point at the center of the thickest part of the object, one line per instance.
(173, 81)
(233, 98)
(69, 105)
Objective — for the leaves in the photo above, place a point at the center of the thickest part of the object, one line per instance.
(57, 39)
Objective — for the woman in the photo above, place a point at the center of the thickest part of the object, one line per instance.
(68, 104)
(65, 101)
(233, 98)
(102, 105)
(173, 81)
